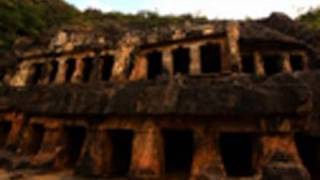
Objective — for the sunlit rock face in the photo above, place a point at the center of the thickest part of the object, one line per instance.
(221, 100)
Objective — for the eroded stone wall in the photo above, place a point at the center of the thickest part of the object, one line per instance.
(155, 147)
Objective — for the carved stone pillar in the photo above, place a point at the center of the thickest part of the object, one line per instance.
(207, 161)
(17, 123)
(52, 145)
(78, 73)
(147, 153)
(97, 155)
(96, 74)
(22, 75)
(286, 65)
(259, 64)
(195, 65)
(140, 69)
(279, 159)
(122, 60)
(233, 35)
(62, 69)
(167, 61)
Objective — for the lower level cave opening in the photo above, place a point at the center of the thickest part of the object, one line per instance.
(237, 154)
(121, 152)
(5, 128)
(309, 151)
(75, 137)
(37, 134)
(178, 149)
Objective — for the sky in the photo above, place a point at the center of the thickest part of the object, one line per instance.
(221, 9)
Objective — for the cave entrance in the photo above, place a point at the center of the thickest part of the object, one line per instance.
(178, 148)
(237, 154)
(75, 137)
(87, 69)
(154, 64)
(71, 67)
(309, 151)
(272, 64)
(296, 62)
(54, 71)
(248, 65)
(38, 72)
(5, 128)
(2, 75)
(181, 61)
(37, 134)
(210, 58)
(121, 153)
(107, 67)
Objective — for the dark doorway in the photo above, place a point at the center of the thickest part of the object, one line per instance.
(296, 62)
(210, 58)
(121, 156)
(87, 69)
(178, 152)
(37, 133)
(107, 67)
(309, 151)
(54, 71)
(2, 74)
(248, 65)
(272, 64)
(154, 64)
(38, 73)
(71, 67)
(237, 151)
(181, 61)
(5, 128)
(75, 137)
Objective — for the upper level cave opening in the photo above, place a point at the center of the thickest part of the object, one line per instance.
(178, 149)
(71, 67)
(38, 73)
(154, 64)
(211, 58)
(107, 67)
(248, 64)
(237, 154)
(54, 71)
(87, 68)
(272, 64)
(296, 62)
(181, 61)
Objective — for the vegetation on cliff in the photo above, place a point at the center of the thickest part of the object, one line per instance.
(30, 18)
(19, 18)
(312, 18)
